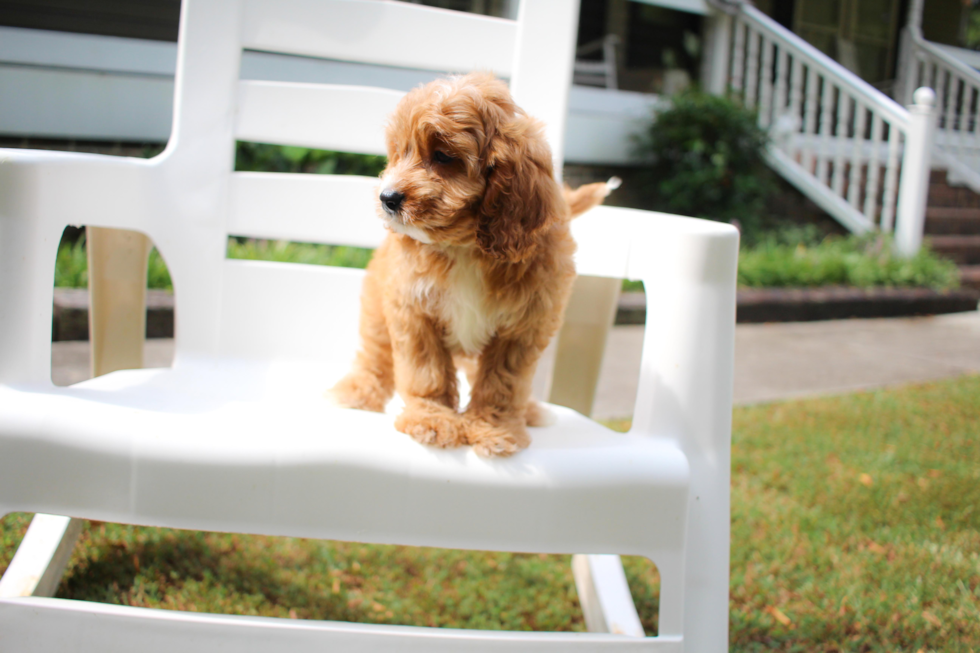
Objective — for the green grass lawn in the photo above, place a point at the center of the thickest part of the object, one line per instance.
(855, 527)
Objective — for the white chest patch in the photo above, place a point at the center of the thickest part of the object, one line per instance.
(465, 308)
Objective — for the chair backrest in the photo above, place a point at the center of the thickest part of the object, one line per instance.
(214, 108)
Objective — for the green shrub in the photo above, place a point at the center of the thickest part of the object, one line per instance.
(859, 261)
(71, 268)
(802, 257)
(260, 157)
(289, 252)
(706, 161)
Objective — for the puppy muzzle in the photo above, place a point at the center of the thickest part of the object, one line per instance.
(391, 200)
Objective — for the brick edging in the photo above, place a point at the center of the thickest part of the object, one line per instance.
(70, 319)
(825, 303)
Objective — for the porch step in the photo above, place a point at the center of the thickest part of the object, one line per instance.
(952, 220)
(970, 276)
(941, 194)
(962, 249)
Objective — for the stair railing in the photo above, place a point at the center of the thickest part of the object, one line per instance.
(957, 87)
(839, 140)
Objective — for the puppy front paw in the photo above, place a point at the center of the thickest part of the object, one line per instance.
(538, 414)
(490, 441)
(436, 426)
(360, 391)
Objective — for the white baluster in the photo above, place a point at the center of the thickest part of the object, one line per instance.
(782, 82)
(823, 158)
(751, 67)
(844, 120)
(809, 119)
(915, 173)
(946, 137)
(857, 154)
(795, 103)
(738, 56)
(766, 111)
(874, 169)
(891, 180)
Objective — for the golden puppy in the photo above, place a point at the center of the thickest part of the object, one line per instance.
(476, 271)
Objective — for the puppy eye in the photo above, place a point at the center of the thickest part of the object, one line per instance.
(441, 157)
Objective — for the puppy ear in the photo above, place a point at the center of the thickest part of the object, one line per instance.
(522, 197)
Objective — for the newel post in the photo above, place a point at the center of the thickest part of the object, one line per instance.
(914, 184)
(717, 40)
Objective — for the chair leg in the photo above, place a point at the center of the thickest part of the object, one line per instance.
(41, 559)
(117, 262)
(117, 314)
(582, 341)
(606, 600)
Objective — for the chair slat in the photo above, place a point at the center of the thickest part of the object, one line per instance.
(296, 114)
(289, 311)
(332, 209)
(388, 33)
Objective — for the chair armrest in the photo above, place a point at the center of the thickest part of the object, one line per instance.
(688, 268)
(41, 192)
(55, 189)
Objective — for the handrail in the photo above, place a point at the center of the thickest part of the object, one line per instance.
(957, 143)
(842, 142)
(828, 67)
(945, 57)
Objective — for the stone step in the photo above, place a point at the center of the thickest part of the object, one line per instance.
(970, 276)
(941, 195)
(962, 249)
(952, 220)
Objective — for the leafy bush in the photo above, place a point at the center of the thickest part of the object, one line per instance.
(71, 268)
(289, 252)
(859, 261)
(706, 161)
(260, 157)
(802, 257)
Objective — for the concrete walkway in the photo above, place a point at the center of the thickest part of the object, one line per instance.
(772, 361)
(798, 359)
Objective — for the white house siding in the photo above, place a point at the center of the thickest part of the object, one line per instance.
(79, 86)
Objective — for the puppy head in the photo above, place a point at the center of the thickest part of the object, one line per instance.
(466, 166)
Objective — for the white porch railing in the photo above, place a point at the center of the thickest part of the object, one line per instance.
(839, 140)
(957, 87)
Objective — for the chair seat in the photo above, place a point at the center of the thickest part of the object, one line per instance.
(254, 447)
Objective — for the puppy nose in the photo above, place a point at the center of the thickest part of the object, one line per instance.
(391, 200)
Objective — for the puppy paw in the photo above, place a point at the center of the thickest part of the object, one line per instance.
(490, 441)
(537, 414)
(434, 426)
(359, 391)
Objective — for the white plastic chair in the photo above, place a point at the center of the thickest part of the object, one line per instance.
(237, 436)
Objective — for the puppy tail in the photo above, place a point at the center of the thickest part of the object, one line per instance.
(585, 197)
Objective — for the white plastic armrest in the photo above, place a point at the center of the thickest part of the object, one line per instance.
(54, 189)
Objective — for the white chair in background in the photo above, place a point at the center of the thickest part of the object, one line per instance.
(237, 437)
(600, 72)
